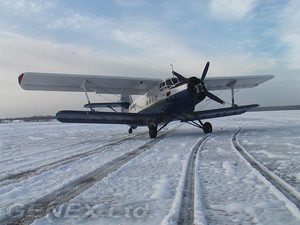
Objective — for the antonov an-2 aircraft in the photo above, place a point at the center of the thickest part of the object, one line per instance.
(159, 101)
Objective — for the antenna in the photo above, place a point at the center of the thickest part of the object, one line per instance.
(172, 68)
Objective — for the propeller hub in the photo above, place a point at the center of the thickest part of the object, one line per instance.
(194, 80)
(196, 86)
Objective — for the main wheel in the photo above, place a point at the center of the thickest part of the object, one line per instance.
(207, 127)
(152, 131)
(130, 130)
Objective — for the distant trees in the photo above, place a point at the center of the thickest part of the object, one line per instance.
(28, 119)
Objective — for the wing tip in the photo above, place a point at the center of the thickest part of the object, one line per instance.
(20, 78)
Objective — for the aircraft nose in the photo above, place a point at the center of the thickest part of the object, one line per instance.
(20, 78)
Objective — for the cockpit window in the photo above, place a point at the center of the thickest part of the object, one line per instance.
(162, 84)
(169, 82)
(175, 80)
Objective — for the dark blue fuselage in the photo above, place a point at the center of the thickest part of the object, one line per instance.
(180, 102)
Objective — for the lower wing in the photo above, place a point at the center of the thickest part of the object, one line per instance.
(215, 113)
(138, 119)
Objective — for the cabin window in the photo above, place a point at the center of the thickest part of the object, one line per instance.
(169, 82)
(162, 85)
(175, 80)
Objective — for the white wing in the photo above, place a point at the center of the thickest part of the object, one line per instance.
(238, 82)
(93, 83)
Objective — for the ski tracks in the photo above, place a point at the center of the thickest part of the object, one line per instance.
(232, 191)
(273, 180)
(77, 186)
(22, 175)
(184, 208)
(221, 183)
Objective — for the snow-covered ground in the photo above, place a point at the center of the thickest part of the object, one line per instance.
(148, 189)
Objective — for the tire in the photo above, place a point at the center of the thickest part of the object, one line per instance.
(152, 131)
(130, 130)
(207, 128)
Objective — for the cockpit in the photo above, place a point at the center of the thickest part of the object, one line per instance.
(168, 83)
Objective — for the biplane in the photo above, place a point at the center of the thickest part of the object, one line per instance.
(151, 102)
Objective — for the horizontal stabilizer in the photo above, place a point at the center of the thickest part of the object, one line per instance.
(108, 104)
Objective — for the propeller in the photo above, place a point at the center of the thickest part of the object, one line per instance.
(214, 97)
(179, 76)
(198, 85)
(204, 72)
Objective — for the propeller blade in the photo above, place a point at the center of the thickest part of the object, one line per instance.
(179, 76)
(215, 98)
(204, 71)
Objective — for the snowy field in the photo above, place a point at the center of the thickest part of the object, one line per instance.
(54, 173)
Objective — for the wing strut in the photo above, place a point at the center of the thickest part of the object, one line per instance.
(231, 85)
(232, 97)
(86, 94)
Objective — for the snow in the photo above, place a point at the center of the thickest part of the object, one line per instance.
(275, 142)
(172, 216)
(199, 208)
(272, 189)
(148, 189)
(228, 167)
(231, 198)
(162, 189)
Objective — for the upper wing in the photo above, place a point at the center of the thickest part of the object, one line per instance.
(93, 83)
(238, 82)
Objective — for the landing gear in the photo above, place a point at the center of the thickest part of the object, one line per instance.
(152, 131)
(207, 128)
(130, 130)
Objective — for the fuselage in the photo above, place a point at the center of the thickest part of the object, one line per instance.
(169, 97)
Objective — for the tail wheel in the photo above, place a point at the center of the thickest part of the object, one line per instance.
(152, 131)
(207, 127)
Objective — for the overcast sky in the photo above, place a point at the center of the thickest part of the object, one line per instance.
(142, 38)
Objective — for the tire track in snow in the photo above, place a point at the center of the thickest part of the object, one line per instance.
(52, 149)
(75, 187)
(12, 178)
(186, 212)
(57, 148)
(289, 192)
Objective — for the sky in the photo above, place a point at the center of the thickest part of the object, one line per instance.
(142, 38)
